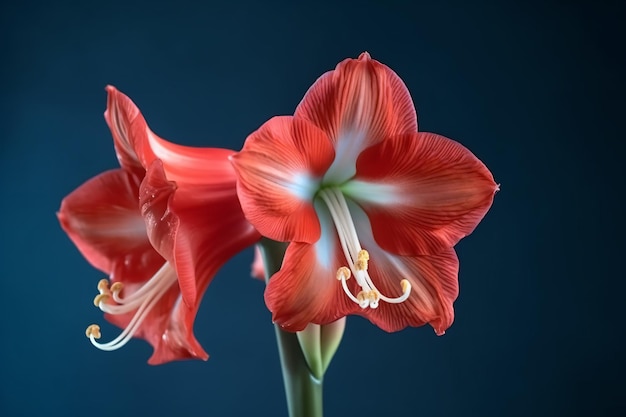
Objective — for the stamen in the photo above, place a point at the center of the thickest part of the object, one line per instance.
(363, 299)
(93, 331)
(100, 298)
(361, 263)
(103, 286)
(343, 273)
(116, 289)
(357, 257)
(142, 301)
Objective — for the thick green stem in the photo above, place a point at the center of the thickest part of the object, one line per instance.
(303, 390)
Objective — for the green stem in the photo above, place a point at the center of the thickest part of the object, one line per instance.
(303, 390)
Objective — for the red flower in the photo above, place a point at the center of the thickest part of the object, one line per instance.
(160, 227)
(357, 191)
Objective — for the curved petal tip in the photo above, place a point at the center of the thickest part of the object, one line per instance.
(365, 56)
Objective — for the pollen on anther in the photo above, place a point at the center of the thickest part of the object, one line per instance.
(117, 287)
(343, 273)
(362, 258)
(100, 298)
(103, 285)
(406, 285)
(93, 330)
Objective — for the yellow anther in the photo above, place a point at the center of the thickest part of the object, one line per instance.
(362, 258)
(361, 265)
(406, 285)
(103, 285)
(93, 330)
(117, 287)
(343, 273)
(100, 298)
(373, 295)
(362, 296)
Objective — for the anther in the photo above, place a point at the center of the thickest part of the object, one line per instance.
(363, 299)
(93, 331)
(374, 298)
(343, 273)
(103, 285)
(362, 258)
(117, 287)
(100, 298)
(405, 285)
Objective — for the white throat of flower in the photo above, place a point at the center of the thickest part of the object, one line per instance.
(141, 301)
(355, 255)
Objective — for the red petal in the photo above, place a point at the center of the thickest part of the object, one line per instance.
(178, 341)
(137, 146)
(306, 291)
(279, 170)
(433, 278)
(358, 104)
(103, 220)
(435, 192)
(119, 115)
(168, 327)
(195, 227)
(434, 287)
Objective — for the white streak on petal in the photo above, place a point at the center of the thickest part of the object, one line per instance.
(377, 193)
(349, 145)
(325, 246)
(303, 186)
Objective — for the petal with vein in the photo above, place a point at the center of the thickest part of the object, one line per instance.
(422, 192)
(433, 278)
(197, 235)
(306, 290)
(279, 170)
(358, 104)
(103, 220)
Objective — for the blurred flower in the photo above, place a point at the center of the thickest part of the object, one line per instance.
(357, 191)
(160, 227)
(258, 267)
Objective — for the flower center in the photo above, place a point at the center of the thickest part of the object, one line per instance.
(141, 301)
(355, 255)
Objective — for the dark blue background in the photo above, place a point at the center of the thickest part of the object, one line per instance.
(534, 90)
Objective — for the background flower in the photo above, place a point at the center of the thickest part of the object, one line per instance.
(160, 235)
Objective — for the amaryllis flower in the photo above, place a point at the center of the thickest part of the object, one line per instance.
(159, 227)
(359, 192)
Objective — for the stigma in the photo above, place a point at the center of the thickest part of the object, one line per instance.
(142, 301)
(357, 258)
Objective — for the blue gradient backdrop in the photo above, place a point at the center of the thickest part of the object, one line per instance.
(534, 90)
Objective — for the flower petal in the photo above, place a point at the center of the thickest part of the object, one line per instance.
(258, 266)
(279, 170)
(168, 326)
(119, 115)
(433, 278)
(137, 146)
(358, 104)
(306, 290)
(422, 192)
(434, 287)
(197, 228)
(103, 220)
